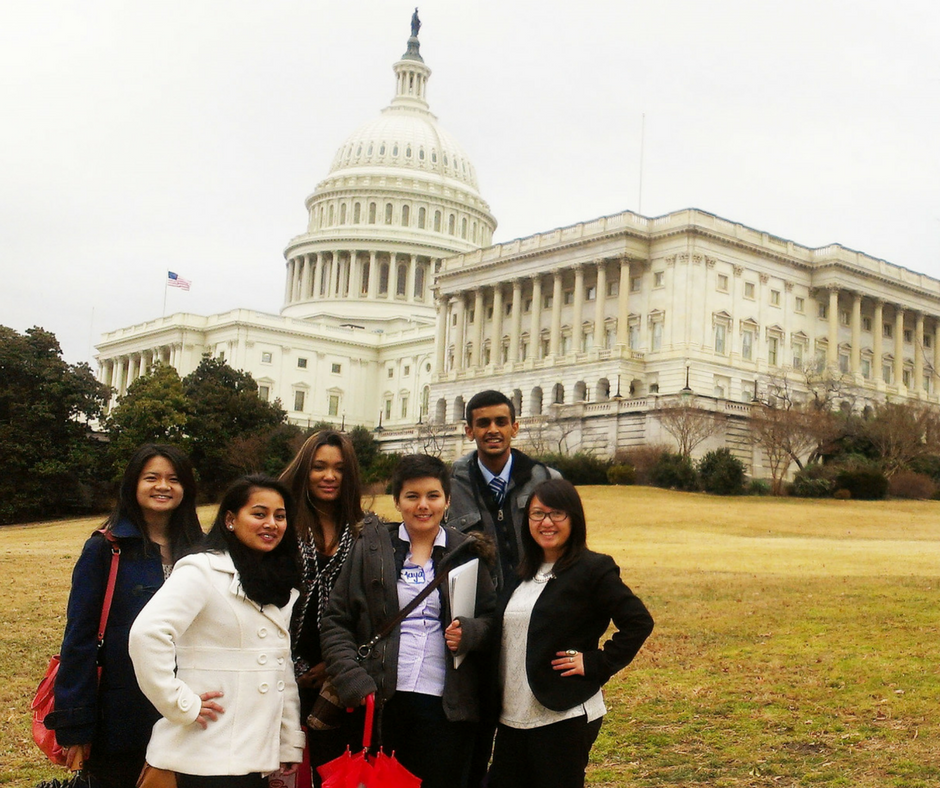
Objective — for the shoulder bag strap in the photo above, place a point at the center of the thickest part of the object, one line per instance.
(442, 571)
(112, 579)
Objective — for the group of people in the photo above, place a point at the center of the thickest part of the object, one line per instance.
(217, 647)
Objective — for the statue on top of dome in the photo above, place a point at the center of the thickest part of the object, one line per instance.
(415, 24)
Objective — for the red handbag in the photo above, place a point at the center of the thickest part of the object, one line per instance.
(44, 700)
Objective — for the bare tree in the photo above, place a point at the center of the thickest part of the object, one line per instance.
(430, 438)
(901, 433)
(689, 425)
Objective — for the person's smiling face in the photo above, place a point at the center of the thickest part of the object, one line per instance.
(261, 522)
(492, 429)
(325, 480)
(159, 491)
(422, 504)
(550, 528)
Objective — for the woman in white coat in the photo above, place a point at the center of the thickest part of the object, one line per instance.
(211, 650)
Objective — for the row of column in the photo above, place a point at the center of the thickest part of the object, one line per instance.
(341, 274)
(120, 371)
(877, 328)
(452, 314)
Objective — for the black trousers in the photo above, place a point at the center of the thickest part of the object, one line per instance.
(115, 771)
(425, 742)
(222, 781)
(551, 756)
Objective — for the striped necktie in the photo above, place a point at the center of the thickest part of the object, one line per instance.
(497, 486)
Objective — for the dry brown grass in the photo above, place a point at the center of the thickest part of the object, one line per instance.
(795, 640)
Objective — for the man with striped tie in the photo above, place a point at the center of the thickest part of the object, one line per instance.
(491, 486)
(489, 490)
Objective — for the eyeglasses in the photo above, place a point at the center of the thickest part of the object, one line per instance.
(537, 516)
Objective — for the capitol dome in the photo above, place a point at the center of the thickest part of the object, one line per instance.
(400, 195)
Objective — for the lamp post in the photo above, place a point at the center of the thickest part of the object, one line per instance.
(686, 391)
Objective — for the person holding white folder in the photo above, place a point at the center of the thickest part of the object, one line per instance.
(424, 670)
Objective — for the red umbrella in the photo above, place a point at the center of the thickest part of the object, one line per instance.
(363, 770)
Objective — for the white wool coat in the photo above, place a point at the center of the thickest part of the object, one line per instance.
(200, 633)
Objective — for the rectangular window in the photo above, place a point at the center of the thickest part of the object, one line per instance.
(659, 279)
(887, 372)
(773, 345)
(299, 397)
(822, 310)
(404, 407)
(720, 334)
(334, 405)
(569, 297)
(775, 298)
(391, 372)
(266, 357)
(591, 293)
(866, 368)
(527, 306)
(471, 315)
(636, 284)
(547, 302)
(388, 409)
(798, 304)
(613, 288)
(797, 355)
(749, 290)
(844, 363)
(657, 336)
(566, 344)
(301, 363)
(747, 345)
(887, 330)
(406, 370)
(508, 308)
(264, 393)
(634, 337)
(906, 377)
(866, 324)
(844, 317)
(927, 342)
(336, 369)
(908, 335)
(723, 283)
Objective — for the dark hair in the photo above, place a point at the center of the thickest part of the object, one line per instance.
(297, 478)
(487, 398)
(420, 466)
(184, 530)
(266, 578)
(557, 494)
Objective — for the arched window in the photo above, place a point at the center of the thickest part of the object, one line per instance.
(422, 218)
(405, 216)
(388, 213)
(419, 281)
(463, 228)
(364, 284)
(371, 213)
(437, 221)
(383, 278)
(357, 213)
(342, 213)
(452, 224)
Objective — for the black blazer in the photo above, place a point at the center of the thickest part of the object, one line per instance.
(574, 611)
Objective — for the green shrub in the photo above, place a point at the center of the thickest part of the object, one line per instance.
(721, 473)
(759, 487)
(674, 472)
(621, 474)
(580, 468)
(642, 458)
(865, 484)
(813, 481)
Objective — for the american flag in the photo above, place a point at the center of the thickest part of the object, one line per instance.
(177, 281)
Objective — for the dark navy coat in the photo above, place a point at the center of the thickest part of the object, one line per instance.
(115, 718)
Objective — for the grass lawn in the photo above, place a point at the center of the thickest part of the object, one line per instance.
(794, 641)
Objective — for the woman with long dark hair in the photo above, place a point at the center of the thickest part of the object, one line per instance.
(324, 482)
(212, 648)
(551, 666)
(107, 724)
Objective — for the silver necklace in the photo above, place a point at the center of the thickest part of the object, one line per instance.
(543, 577)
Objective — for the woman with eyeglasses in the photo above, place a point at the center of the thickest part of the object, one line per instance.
(553, 615)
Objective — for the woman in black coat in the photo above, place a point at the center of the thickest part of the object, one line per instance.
(560, 605)
(107, 724)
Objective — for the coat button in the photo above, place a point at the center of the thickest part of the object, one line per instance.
(262, 659)
(263, 687)
(184, 704)
(280, 660)
(281, 634)
(280, 686)
(263, 632)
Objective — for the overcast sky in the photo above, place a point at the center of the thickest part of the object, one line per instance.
(140, 137)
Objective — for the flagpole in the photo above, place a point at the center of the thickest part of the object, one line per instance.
(166, 286)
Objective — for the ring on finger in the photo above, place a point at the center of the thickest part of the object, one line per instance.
(571, 653)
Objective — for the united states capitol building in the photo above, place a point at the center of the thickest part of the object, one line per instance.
(398, 308)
